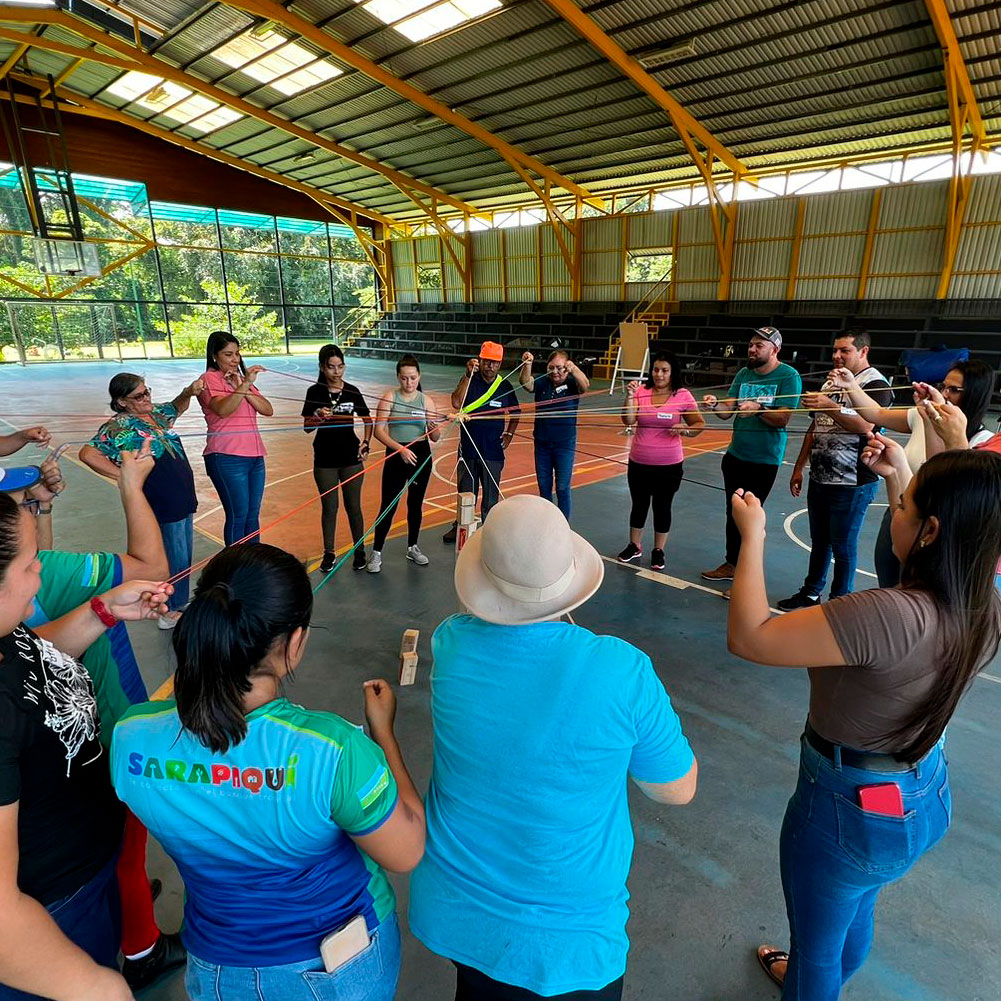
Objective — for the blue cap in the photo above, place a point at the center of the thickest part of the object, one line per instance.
(18, 478)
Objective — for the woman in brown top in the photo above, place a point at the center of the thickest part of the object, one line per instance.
(887, 670)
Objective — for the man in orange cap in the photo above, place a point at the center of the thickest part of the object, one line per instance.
(490, 402)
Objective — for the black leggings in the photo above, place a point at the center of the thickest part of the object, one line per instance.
(471, 985)
(395, 473)
(656, 483)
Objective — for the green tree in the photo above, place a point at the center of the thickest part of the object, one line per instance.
(259, 331)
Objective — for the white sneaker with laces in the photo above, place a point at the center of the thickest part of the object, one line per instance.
(415, 555)
(374, 562)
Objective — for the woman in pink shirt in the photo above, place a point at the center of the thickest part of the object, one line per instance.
(661, 415)
(234, 451)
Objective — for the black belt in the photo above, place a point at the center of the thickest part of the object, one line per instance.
(869, 761)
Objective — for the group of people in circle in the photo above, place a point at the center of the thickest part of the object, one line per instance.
(284, 821)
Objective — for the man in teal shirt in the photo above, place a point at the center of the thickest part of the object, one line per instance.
(762, 398)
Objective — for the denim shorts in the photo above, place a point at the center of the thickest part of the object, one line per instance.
(369, 976)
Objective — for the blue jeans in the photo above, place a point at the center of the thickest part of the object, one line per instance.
(549, 459)
(239, 481)
(835, 858)
(836, 515)
(179, 544)
(91, 918)
(370, 976)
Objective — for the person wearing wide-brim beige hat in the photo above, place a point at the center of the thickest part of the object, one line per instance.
(525, 565)
(538, 724)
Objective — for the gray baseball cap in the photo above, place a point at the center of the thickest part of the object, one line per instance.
(768, 334)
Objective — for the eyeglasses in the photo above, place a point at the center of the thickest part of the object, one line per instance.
(144, 395)
(557, 369)
(944, 387)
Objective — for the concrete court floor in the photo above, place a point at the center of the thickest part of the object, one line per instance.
(705, 886)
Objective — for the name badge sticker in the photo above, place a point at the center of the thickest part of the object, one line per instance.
(664, 417)
(495, 403)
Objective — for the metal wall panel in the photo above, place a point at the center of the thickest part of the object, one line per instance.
(765, 259)
(652, 229)
(975, 287)
(695, 225)
(758, 290)
(979, 250)
(603, 268)
(486, 274)
(985, 199)
(550, 245)
(826, 288)
(910, 287)
(455, 290)
(602, 293)
(521, 241)
(837, 212)
(428, 250)
(602, 234)
(768, 218)
(832, 255)
(486, 244)
(910, 253)
(522, 277)
(921, 204)
(697, 263)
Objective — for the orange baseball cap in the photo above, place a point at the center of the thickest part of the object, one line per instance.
(492, 351)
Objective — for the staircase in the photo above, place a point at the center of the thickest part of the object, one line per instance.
(654, 309)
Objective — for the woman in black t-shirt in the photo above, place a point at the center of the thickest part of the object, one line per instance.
(330, 409)
(60, 822)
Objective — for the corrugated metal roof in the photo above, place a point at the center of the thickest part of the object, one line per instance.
(777, 81)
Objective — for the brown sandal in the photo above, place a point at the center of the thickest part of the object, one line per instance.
(768, 956)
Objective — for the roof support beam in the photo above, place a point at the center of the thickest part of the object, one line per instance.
(963, 114)
(453, 242)
(12, 60)
(78, 104)
(682, 120)
(272, 11)
(690, 131)
(128, 57)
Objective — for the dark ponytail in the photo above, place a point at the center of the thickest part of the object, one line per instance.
(962, 489)
(10, 541)
(248, 597)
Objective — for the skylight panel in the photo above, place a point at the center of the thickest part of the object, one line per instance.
(432, 21)
(172, 101)
(271, 59)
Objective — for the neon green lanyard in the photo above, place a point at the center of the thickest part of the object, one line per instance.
(469, 407)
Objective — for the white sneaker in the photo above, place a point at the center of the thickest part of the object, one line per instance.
(415, 555)
(374, 564)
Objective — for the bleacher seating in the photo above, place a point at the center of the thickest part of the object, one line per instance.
(709, 338)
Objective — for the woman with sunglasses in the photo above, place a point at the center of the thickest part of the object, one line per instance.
(170, 487)
(967, 385)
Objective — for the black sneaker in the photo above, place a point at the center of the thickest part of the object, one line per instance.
(656, 559)
(630, 553)
(328, 562)
(167, 955)
(358, 560)
(449, 537)
(801, 599)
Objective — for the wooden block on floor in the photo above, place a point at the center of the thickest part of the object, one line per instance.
(408, 656)
(408, 668)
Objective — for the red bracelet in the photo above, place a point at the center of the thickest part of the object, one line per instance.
(100, 609)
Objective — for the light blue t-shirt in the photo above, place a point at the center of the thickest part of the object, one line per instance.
(260, 832)
(529, 842)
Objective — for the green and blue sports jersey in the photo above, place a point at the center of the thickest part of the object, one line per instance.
(755, 440)
(260, 833)
(68, 581)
